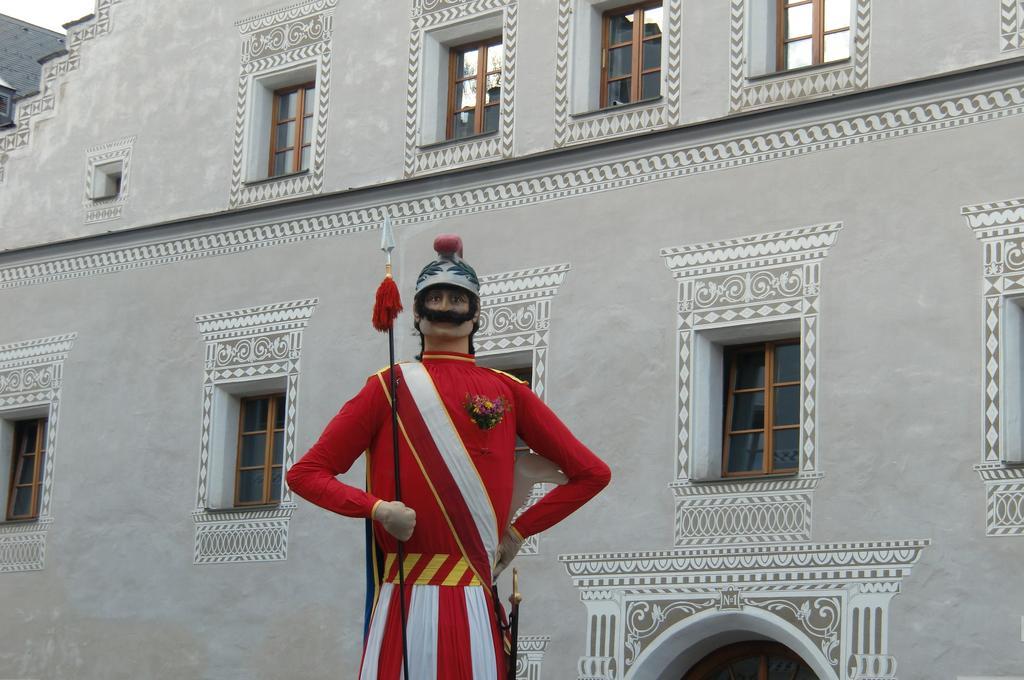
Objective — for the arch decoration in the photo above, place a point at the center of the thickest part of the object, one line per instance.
(834, 598)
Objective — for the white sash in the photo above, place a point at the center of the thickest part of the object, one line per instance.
(454, 453)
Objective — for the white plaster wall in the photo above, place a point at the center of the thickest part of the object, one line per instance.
(167, 73)
(899, 423)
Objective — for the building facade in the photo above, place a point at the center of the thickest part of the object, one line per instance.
(763, 257)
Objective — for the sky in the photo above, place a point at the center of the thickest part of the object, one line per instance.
(47, 13)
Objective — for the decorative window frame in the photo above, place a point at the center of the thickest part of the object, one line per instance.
(531, 655)
(751, 288)
(107, 209)
(424, 156)
(31, 376)
(828, 602)
(247, 345)
(279, 44)
(1000, 228)
(515, 318)
(576, 126)
(748, 91)
(1011, 25)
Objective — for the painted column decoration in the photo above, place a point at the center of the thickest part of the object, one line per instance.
(531, 655)
(31, 375)
(1000, 228)
(515, 317)
(259, 345)
(1011, 25)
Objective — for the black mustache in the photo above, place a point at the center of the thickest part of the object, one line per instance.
(443, 316)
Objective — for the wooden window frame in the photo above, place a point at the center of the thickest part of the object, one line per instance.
(17, 465)
(268, 451)
(479, 109)
(768, 426)
(817, 34)
(637, 41)
(301, 118)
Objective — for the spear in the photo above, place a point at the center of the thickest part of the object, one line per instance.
(387, 305)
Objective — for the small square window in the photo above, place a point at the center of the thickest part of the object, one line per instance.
(761, 427)
(28, 455)
(106, 180)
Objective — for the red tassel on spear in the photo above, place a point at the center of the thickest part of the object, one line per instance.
(388, 303)
(386, 307)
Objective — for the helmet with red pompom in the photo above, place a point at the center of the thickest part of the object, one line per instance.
(449, 269)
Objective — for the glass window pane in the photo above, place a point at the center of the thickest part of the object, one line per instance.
(28, 464)
(307, 130)
(495, 54)
(747, 669)
(254, 450)
(837, 46)
(304, 163)
(491, 118)
(23, 501)
(837, 14)
(620, 61)
(28, 440)
(785, 449)
(492, 93)
(781, 669)
(275, 484)
(620, 29)
(749, 369)
(652, 21)
(787, 405)
(255, 417)
(748, 411)
(462, 124)
(746, 452)
(465, 94)
(287, 105)
(618, 92)
(798, 53)
(278, 456)
(799, 20)
(279, 412)
(466, 63)
(650, 85)
(282, 163)
(652, 54)
(285, 136)
(787, 363)
(309, 103)
(250, 486)
(806, 674)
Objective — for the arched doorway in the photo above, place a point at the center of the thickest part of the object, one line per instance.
(755, 660)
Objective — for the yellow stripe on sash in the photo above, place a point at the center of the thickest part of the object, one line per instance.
(434, 573)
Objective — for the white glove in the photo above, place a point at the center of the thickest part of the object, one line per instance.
(397, 519)
(507, 551)
(531, 469)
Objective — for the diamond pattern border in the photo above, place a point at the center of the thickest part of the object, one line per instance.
(254, 343)
(783, 87)
(614, 123)
(31, 374)
(447, 156)
(1011, 25)
(266, 47)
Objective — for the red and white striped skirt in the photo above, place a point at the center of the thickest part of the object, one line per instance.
(451, 632)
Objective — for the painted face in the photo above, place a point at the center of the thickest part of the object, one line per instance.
(446, 313)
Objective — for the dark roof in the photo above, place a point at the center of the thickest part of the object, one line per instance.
(22, 45)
